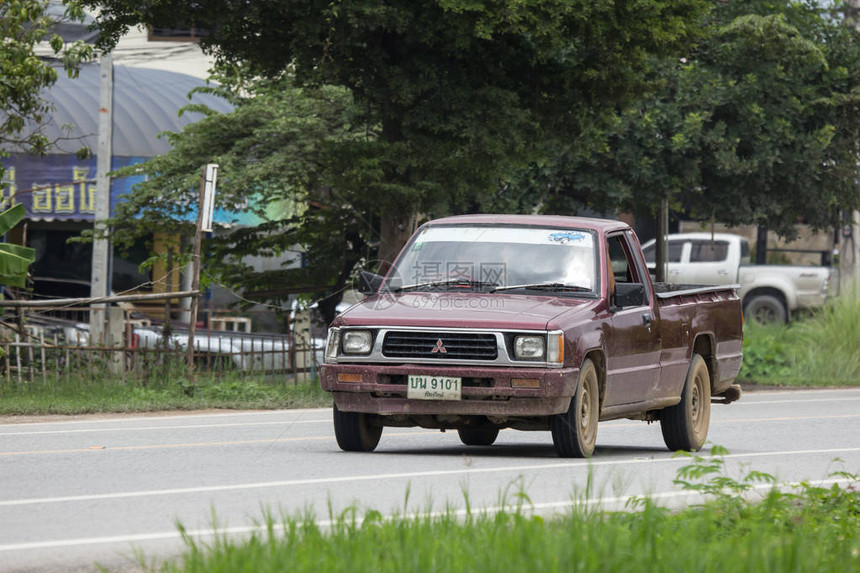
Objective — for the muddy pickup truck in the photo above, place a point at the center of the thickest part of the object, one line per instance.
(530, 322)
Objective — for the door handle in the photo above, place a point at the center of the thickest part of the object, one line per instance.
(723, 272)
(674, 272)
(646, 319)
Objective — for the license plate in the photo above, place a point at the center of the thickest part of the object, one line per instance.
(433, 388)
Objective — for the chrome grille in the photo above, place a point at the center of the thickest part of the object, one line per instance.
(440, 345)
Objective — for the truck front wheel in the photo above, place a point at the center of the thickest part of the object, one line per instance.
(353, 431)
(574, 433)
(685, 425)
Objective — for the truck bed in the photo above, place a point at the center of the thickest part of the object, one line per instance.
(669, 290)
(705, 307)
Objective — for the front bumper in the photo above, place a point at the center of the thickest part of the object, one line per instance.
(485, 391)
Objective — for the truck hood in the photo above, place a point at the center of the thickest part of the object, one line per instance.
(459, 310)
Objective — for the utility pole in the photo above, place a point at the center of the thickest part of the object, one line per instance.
(661, 252)
(205, 209)
(100, 277)
(849, 251)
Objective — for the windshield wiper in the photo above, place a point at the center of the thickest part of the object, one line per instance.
(544, 286)
(449, 282)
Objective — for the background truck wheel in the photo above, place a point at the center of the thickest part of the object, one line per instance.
(472, 437)
(765, 309)
(353, 431)
(685, 425)
(575, 432)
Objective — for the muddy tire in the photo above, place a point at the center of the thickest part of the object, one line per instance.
(685, 425)
(765, 309)
(473, 437)
(574, 433)
(354, 432)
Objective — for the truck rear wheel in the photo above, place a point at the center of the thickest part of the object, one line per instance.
(473, 437)
(685, 425)
(574, 433)
(353, 431)
(765, 309)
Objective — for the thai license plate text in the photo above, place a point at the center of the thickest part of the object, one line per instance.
(433, 388)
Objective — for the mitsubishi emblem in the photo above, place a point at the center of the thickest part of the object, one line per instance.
(439, 347)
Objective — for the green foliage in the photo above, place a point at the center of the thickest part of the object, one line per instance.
(449, 99)
(810, 529)
(23, 74)
(290, 155)
(757, 124)
(15, 260)
(768, 352)
(820, 350)
(85, 393)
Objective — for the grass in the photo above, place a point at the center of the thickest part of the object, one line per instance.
(820, 350)
(84, 394)
(809, 529)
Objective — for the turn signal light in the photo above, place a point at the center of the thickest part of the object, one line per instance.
(349, 377)
(525, 382)
(555, 347)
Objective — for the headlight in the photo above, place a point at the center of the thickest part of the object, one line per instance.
(331, 345)
(356, 341)
(529, 347)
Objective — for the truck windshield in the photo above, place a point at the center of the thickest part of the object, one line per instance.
(458, 257)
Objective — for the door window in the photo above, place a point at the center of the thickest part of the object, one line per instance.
(709, 251)
(675, 250)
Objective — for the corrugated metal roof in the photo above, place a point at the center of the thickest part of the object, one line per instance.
(146, 103)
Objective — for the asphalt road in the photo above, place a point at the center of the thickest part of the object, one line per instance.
(97, 489)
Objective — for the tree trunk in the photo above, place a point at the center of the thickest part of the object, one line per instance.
(395, 230)
(761, 246)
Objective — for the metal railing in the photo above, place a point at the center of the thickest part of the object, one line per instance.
(43, 345)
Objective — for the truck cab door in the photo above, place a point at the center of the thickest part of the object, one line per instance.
(679, 253)
(632, 333)
(712, 262)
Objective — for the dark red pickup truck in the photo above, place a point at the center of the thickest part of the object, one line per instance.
(534, 323)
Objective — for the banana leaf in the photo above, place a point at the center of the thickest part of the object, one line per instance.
(19, 251)
(14, 259)
(11, 217)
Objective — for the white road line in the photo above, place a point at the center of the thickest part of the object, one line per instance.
(617, 423)
(534, 507)
(752, 391)
(137, 418)
(404, 475)
(742, 402)
(151, 428)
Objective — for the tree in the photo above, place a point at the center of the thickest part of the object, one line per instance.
(290, 156)
(459, 94)
(757, 125)
(24, 75)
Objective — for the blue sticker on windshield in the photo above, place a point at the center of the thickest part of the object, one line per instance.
(566, 237)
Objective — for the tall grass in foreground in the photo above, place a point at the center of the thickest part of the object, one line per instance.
(821, 350)
(813, 529)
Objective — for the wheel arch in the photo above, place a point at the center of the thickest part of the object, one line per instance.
(599, 359)
(767, 291)
(704, 347)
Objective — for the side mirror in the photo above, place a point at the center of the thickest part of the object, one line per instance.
(629, 294)
(369, 283)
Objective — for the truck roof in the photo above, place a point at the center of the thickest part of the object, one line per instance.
(560, 221)
(698, 235)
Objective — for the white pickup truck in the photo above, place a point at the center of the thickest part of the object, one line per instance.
(769, 293)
